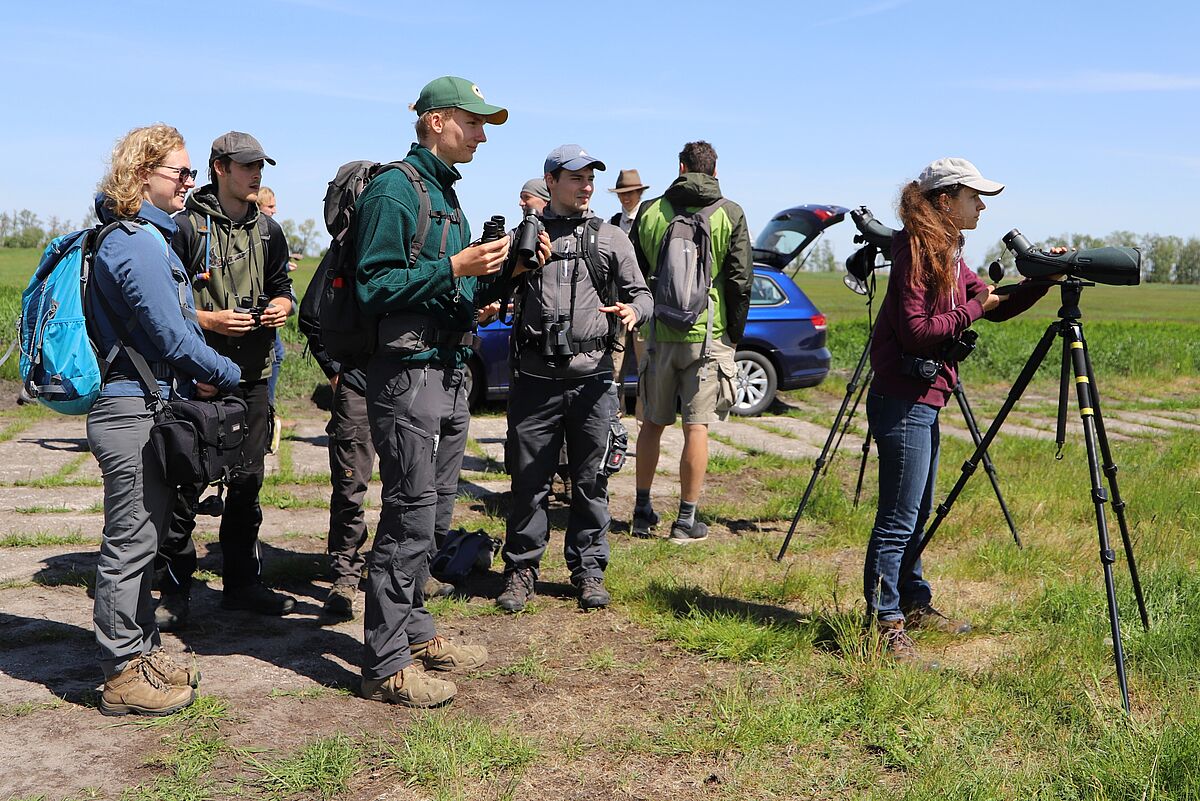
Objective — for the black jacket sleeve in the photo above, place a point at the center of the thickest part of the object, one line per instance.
(276, 281)
(739, 278)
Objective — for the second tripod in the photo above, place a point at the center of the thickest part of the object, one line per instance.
(855, 388)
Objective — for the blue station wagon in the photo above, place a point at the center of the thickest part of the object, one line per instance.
(784, 344)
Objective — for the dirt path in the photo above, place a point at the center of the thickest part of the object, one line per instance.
(275, 674)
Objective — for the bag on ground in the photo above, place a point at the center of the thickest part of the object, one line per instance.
(461, 553)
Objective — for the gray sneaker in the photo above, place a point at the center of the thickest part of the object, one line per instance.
(684, 535)
(644, 521)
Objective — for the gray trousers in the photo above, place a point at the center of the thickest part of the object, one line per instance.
(137, 513)
(351, 458)
(419, 421)
(541, 414)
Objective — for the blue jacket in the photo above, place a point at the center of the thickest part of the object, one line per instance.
(145, 285)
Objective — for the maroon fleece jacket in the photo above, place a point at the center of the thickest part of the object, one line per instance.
(918, 322)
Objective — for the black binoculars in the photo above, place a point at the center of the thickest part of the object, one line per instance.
(556, 337)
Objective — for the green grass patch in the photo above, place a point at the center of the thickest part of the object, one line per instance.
(39, 539)
(457, 757)
(321, 770)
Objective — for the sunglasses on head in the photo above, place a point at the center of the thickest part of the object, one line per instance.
(183, 174)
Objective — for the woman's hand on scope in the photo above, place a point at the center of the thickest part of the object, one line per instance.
(989, 299)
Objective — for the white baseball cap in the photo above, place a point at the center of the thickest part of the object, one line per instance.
(951, 172)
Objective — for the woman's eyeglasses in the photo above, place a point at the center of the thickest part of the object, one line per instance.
(182, 174)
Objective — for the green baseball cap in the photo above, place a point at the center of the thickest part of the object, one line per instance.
(451, 92)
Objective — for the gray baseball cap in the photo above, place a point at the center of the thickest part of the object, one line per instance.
(241, 147)
(537, 188)
(571, 157)
(953, 172)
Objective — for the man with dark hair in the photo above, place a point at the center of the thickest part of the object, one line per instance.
(567, 317)
(692, 368)
(426, 305)
(237, 260)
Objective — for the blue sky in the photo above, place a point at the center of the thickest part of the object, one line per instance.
(1088, 111)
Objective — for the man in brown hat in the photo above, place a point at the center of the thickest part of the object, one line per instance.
(629, 191)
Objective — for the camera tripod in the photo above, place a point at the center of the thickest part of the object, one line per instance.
(1076, 360)
(855, 389)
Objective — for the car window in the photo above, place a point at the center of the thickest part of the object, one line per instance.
(765, 292)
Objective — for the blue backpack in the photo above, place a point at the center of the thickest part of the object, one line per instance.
(59, 366)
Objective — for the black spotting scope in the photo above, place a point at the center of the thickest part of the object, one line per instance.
(1116, 266)
(872, 230)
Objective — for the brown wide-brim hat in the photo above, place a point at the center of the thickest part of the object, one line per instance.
(628, 181)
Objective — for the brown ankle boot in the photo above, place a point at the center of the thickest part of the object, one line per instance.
(930, 619)
(441, 654)
(899, 646)
(171, 672)
(138, 690)
(409, 687)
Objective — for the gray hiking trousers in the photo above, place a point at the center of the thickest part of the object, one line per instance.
(137, 513)
(351, 458)
(542, 414)
(419, 421)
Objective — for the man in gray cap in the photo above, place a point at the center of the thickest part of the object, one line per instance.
(237, 258)
(569, 314)
(425, 295)
(534, 196)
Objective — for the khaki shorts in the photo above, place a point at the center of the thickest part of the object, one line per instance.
(674, 377)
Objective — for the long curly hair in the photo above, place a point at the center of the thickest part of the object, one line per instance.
(933, 237)
(138, 152)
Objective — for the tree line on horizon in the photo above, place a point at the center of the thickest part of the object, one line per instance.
(1166, 259)
(25, 229)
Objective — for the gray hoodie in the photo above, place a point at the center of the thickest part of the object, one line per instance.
(546, 293)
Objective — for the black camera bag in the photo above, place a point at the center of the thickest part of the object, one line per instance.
(199, 441)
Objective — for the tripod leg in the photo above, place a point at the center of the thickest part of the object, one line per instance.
(1118, 505)
(862, 390)
(1073, 340)
(851, 389)
(968, 468)
(988, 467)
(862, 467)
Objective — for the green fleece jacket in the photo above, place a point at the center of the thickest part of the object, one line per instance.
(732, 258)
(386, 215)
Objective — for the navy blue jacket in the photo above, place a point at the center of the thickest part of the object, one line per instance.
(145, 285)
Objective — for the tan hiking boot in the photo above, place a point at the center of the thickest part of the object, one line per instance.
(410, 687)
(899, 646)
(138, 690)
(927, 618)
(171, 672)
(441, 654)
(339, 604)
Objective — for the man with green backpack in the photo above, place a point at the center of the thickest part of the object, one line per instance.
(694, 247)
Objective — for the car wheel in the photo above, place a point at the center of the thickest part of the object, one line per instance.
(474, 383)
(754, 384)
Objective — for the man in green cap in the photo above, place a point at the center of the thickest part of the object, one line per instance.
(426, 304)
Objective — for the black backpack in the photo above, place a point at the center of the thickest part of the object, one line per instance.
(330, 311)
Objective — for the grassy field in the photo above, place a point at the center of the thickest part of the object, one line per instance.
(760, 682)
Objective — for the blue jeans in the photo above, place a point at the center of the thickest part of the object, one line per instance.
(906, 434)
(275, 365)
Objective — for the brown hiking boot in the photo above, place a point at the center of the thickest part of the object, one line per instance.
(518, 589)
(339, 603)
(899, 646)
(138, 690)
(592, 594)
(927, 618)
(438, 589)
(410, 687)
(171, 672)
(441, 654)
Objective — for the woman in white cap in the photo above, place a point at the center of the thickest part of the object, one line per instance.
(932, 298)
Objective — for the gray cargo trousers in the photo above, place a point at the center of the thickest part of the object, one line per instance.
(419, 420)
(351, 458)
(137, 514)
(542, 413)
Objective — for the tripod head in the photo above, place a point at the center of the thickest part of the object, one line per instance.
(875, 238)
